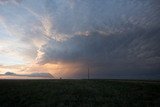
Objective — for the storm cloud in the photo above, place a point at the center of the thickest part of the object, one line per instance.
(115, 35)
(71, 16)
(113, 38)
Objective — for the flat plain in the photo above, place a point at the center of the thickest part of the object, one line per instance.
(79, 93)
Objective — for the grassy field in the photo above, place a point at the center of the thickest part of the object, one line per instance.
(79, 93)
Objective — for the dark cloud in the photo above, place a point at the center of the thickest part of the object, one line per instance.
(111, 36)
(139, 48)
(109, 16)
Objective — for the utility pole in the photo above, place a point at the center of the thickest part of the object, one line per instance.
(88, 73)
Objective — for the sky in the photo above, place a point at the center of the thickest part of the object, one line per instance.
(66, 38)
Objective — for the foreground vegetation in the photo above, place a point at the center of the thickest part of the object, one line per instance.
(79, 93)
